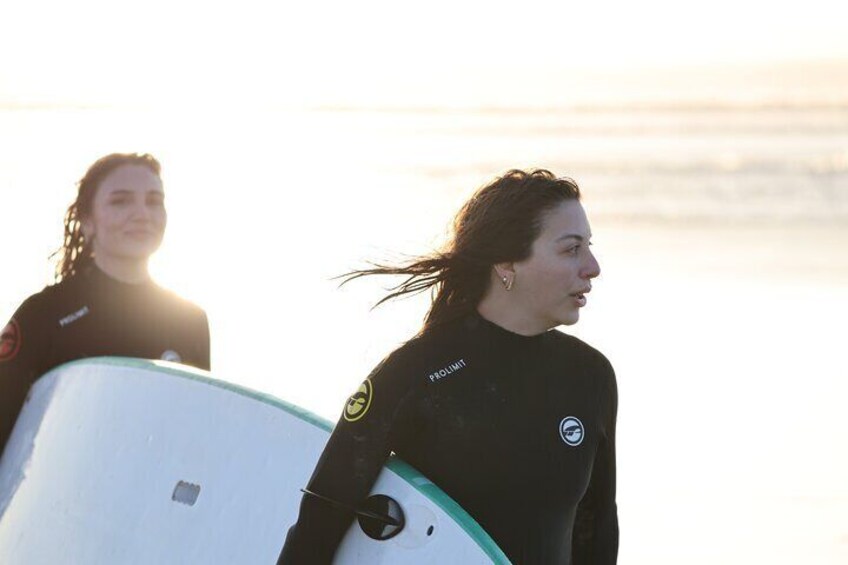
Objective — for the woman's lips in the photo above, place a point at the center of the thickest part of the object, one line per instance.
(580, 297)
(140, 234)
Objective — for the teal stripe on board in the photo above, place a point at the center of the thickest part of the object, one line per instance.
(396, 465)
(450, 507)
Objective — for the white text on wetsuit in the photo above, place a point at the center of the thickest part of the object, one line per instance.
(450, 369)
(71, 318)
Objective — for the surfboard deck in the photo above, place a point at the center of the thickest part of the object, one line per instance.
(130, 461)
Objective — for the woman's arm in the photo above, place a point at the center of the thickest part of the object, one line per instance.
(203, 337)
(595, 539)
(347, 469)
(23, 351)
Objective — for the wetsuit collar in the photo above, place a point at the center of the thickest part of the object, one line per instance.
(101, 279)
(475, 320)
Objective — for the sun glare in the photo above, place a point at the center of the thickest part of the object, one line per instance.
(380, 53)
(300, 140)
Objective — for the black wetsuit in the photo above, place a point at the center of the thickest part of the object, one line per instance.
(89, 315)
(520, 431)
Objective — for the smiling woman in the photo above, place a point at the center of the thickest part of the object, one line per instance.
(127, 220)
(118, 219)
(103, 302)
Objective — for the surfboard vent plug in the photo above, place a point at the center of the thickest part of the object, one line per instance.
(381, 517)
(186, 493)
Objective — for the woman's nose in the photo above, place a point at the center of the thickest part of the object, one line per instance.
(141, 210)
(592, 269)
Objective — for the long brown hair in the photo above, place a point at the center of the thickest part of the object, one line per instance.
(76, 251)
(498, 224)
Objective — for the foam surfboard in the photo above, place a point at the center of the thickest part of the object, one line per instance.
(129, 461)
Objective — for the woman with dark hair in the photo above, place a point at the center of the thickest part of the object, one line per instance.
(103, 302)
(514, 420)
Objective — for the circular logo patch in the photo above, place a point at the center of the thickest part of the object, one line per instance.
(10, 341)
(359, 402)
(171, 355)
(571, 431)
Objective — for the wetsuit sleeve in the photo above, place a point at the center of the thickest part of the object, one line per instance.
(352, 459)
(204, 356)
(23, 351)
(595, 540)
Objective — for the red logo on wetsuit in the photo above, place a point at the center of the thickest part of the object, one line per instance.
(10, 341)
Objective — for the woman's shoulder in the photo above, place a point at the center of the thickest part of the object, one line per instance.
(42, 308)
(412, 361)
(48, 297)
(441, 340)
(183, 305)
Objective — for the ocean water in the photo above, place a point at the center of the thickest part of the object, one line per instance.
(721, 233)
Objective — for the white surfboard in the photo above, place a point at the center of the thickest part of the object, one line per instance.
(128, 461)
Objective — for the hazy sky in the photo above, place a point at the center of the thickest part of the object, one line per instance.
(157, 51)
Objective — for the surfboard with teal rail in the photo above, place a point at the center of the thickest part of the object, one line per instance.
(128, 461)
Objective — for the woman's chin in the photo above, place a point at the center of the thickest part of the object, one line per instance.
(569, 319)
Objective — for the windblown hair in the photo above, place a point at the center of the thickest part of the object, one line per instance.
(76, 251)
(497, 225)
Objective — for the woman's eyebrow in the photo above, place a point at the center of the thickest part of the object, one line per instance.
(125, 191)
(570, 235)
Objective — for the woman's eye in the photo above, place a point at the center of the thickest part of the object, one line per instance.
(573, 250)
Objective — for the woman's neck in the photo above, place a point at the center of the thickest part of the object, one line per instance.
(498, 309)
(128, 271)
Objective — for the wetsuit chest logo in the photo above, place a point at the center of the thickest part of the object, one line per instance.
(359, 402)
(71, 318)
(172, 356)
(445, 371)
(10, 341)
(571, 431)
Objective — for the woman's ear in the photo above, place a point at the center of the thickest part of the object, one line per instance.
(505, 270)
(87, 229)
(506, 273)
